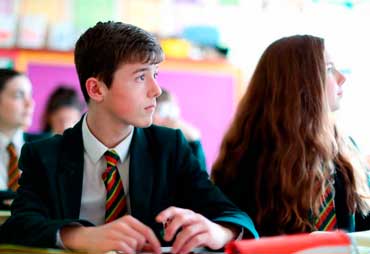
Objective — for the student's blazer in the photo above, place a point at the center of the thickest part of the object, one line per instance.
(163, 173)
(240, 193)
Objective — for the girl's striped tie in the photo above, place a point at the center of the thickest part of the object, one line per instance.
(326, 220)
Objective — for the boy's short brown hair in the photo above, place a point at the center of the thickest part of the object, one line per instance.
(103, 48)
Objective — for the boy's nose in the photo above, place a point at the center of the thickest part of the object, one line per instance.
(155, 89)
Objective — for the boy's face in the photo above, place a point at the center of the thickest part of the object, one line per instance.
(16, 104)
(131, 99)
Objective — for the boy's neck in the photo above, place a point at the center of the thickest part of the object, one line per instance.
(105, 130)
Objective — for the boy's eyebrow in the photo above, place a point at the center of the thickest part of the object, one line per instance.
(142, 69)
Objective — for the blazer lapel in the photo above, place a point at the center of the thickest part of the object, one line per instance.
(344, 219)
(70, 171)
(141, 176)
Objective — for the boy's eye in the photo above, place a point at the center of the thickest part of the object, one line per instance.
(141, 77)
(155, 75)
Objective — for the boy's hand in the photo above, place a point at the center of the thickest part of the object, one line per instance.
(126, 234)
(196, 230)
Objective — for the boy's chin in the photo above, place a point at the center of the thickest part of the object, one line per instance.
(144, 124)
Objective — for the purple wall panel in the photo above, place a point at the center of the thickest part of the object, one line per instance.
(206, 99)
(45, 78)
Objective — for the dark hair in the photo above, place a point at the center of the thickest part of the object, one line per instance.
(283, 141)
(62, 96)
(6, 75)
(103, 48)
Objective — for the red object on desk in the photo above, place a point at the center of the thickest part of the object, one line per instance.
(328, 242)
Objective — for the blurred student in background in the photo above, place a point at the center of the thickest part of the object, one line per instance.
(283, 160)
(63, 110)
(168, 114)
(16, 109)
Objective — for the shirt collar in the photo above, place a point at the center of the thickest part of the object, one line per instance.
(95, 149)
(17, 139)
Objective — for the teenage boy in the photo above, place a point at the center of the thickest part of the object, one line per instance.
(135, 183)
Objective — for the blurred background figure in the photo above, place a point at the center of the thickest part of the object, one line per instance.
(16, 110)
(168, 114)
(63, 110)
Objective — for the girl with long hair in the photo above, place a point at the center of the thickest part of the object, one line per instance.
(283, 160)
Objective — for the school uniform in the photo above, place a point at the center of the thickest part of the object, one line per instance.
(18, 139)
(197, 148)
(244, 198)
(163, 172)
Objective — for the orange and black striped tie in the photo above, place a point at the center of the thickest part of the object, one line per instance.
(115, 204)
(13, 171)
(327, 220)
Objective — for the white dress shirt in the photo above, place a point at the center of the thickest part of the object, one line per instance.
(93, 188)
(18, 141)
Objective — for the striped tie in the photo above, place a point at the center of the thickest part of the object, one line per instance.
(327, 220)
(13, 171)
(115, 205)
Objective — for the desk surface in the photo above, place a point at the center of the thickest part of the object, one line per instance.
(22, 249)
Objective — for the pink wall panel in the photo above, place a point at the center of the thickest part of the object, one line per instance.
(45, 78)
(206, 99)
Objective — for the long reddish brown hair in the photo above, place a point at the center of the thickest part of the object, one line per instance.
(283, 136)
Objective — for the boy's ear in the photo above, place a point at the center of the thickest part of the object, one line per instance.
(95, 89)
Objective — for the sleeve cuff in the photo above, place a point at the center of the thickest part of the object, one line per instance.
(59, 242)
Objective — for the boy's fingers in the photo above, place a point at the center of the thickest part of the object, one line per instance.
(147, 233)
(163, 216)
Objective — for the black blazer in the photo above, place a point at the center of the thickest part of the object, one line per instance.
(240, 191)
(197, 149)
(30, 137)
(163, 173)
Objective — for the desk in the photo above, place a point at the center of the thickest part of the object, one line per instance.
(195, 251)
(3, 216)
(6, 248)
(361, 240)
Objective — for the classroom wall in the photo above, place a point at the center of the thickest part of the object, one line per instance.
(207, 97)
